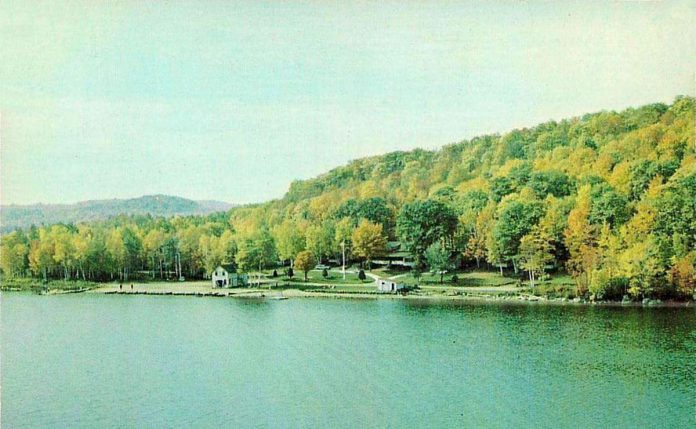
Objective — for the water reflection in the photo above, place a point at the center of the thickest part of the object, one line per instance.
(343, 363)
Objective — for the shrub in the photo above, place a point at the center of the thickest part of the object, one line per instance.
(455, 279)
(683, 275)
(604, 286)
(550, 290)
(361, 275)
(291, 273)
(275, 273)
(324, 273)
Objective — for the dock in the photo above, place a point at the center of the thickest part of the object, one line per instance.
(150, 292)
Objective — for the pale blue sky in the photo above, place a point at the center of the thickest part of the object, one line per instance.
(234, 100)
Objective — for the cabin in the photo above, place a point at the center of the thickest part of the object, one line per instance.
(225, 275)
(389, 286)
(396, 255)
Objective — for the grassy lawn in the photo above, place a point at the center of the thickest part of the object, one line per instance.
(559, 282)
(469, 279)
(315, 287)
(315, 276)
(559, 286)
(561, 279)
(32, 284)
(388, 272)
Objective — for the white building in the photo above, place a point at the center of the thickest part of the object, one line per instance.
(389, 286)
(224, 276)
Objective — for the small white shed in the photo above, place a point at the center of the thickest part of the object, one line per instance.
(389, 286)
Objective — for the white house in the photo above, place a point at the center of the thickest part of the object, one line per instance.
(224, 276)
(389, 286)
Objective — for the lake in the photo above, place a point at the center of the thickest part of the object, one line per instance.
(89, 360)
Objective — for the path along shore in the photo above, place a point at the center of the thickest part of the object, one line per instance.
(481, 294)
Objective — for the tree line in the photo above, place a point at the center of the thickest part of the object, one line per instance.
(608, 197)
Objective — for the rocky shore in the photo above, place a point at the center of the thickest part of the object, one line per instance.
(202, 289)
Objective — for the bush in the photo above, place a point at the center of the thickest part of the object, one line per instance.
(290, 272)
(361, 275)
(604, 286)
(324, 273)
(37, 285)
(455, 279)
(275, 273)
(682, 276)
(554, 290)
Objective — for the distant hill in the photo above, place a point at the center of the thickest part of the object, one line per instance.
(22, 216)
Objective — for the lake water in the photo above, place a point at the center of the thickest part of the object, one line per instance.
(139, 361)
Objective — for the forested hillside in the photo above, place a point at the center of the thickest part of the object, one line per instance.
(23, 216)
(610, 197)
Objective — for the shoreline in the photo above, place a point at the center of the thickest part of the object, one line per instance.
(523, 300)
(494, 295)
(486, 295)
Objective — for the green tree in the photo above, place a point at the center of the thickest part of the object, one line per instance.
(494, 253)
(213, 252)
(153, 247)
(96, 260)
(515, 220)
(640, 264)
(189, 238)
(344, 237)
(552, 182)
(373, 209)
(257, 251)
(320, 239)
(422, 223)
(227, 246)
(116, 250)
(439, 259)
(609, 206)
(133, 246)
(609, 250)
(290, 240)
(676, 212)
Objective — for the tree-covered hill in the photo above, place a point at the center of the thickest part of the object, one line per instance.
(610, 197)
(23, 216)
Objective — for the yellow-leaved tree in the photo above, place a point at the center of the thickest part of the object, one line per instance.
(368, 240)
(580, 239)
(535, 253)
(304, 261)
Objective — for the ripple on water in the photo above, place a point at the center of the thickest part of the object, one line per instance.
(97, 361)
